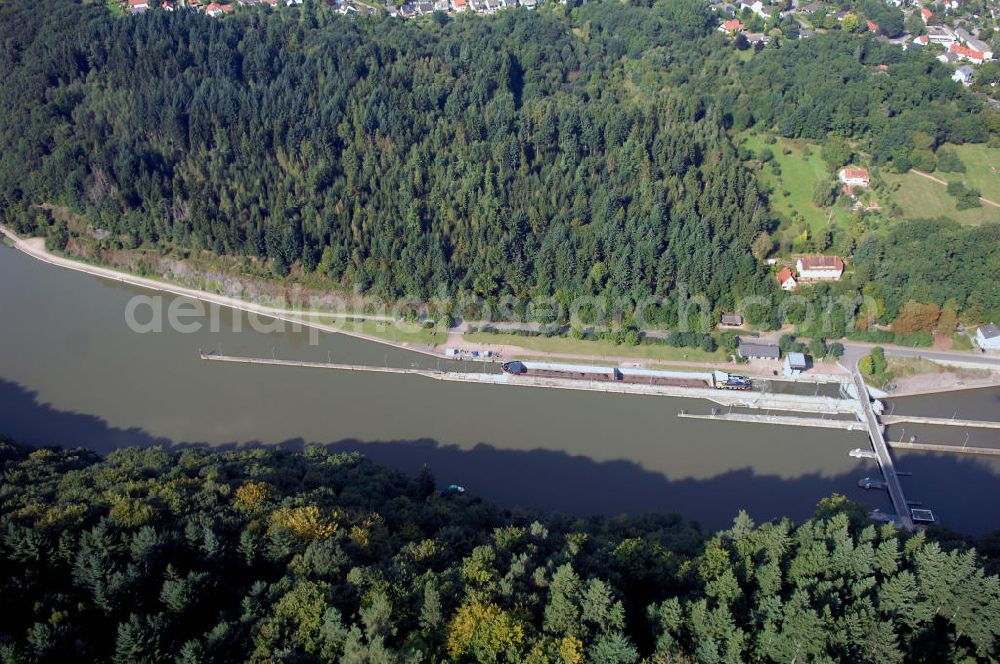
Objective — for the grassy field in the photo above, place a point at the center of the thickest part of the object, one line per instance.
(597, 348)
(920, 198)
(800, 173)
(982, 169)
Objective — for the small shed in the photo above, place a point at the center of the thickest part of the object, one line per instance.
(751, 350)
(795, 363)
(732, 320)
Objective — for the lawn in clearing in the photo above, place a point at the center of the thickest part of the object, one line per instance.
(921, 198)
(982, 169)
(800, 173)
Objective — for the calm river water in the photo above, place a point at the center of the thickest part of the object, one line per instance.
(73, 373)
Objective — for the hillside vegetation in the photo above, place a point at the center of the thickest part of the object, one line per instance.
(551, 152)
(267, 555)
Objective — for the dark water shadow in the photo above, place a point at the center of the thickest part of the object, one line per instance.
(551, 480)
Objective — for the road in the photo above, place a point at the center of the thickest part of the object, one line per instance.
(854, 351)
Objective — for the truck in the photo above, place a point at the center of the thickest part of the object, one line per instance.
(722, 380)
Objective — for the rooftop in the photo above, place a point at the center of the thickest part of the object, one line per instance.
(796, 360)
(821, 263)
(990, 331)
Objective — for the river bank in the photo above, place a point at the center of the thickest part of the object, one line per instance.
(365, 326)
(75, 374)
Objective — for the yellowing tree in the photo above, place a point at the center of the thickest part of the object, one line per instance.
(306, 523)
(252, 495)
(916, 317)
(571, 650)
(485, 632)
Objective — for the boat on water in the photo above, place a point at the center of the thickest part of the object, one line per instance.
(869, 483)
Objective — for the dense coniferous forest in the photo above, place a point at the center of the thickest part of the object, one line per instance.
(552, 152)
(272, 555)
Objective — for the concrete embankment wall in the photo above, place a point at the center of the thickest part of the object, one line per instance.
(758, 400)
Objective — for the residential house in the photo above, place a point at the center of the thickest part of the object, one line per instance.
(731, 320)
(137, 6)
(941, 35)
(988, 336)
(963, 75)
(926, 14)
(854, 176)
(529, 4)
(820, 268)
(948, 58)
(459, 5)
(758, 8)
(751, 350)
(972, 42)
(922, 40)
(787, 280)
(214, 9)
(872, 25)
(732, 26)
(966, 53)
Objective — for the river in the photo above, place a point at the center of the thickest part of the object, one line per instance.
(73, 373)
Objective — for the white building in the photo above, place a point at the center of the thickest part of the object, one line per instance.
(795, 363)
(963, 75)
(820, 268)
(988, 337)
(941, 35)
(854, 176)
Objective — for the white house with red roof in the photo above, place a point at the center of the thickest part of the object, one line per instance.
(926, 14)
(820, 268)
(787, 280)
(854, 176)
(970, 54)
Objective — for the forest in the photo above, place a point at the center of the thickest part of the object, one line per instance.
(528, 153)
(272, 555)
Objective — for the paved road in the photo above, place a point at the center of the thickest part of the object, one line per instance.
(853, 351)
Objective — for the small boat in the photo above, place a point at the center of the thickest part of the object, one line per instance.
(452, 490)
(869, 483)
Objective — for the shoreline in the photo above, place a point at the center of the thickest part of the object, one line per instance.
(35, 248)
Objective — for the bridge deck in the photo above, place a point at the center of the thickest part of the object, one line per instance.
(882, 454)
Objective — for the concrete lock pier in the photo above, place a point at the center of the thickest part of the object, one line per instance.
(755, 400)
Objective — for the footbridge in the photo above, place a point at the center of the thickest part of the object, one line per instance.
(882, 454)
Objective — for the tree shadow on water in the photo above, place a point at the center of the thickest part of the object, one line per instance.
(551, 480)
